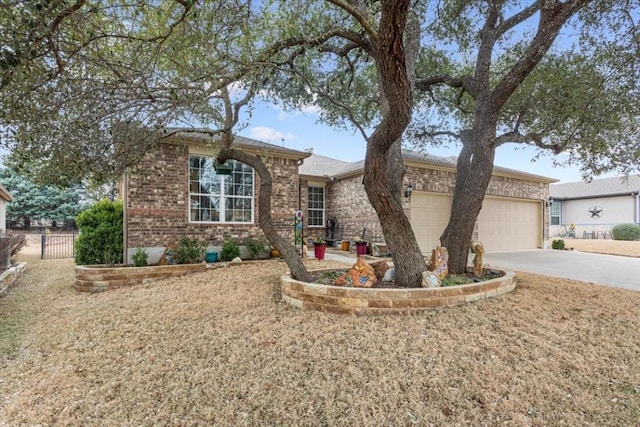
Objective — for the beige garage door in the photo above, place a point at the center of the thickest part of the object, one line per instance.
(429, 217)
(510, 224)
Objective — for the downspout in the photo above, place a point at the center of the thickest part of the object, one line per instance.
(636, 207)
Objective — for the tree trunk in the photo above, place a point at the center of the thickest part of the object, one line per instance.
(383, 162)
(474, 168)
(288, 251)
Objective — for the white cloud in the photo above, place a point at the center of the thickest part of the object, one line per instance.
(263, 133)
(303, 110)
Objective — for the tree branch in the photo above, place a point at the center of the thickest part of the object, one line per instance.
(553, 15)
(357, 14)
(529, 138)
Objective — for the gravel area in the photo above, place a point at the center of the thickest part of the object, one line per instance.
(219, 348)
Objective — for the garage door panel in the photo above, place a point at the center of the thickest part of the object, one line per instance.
(429, 217)
(502, 224)
(509, 224)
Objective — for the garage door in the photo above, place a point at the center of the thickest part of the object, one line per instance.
(429, 217)
(509, 224)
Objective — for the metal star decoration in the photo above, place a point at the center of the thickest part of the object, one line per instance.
(595, 212)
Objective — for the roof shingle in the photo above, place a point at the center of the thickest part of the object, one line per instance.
(597, 187)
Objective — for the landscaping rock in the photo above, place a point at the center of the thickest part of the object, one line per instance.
(389, 275)
(430, 279)
(478, 249)
(361, 275)
(380, 268)
(438, 262)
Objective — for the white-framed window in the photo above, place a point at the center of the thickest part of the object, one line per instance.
(220, 198)
(315, 214)
(556, 213)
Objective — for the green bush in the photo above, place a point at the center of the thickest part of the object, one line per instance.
(140, 257)
(256, 247)
(626, 232)
(230, 250)
(100, 239)
(188, 251)
(558, 244)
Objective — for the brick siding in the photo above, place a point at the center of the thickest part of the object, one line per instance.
(351, 208)
(158, 201)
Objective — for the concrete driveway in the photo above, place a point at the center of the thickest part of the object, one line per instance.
(608, 270)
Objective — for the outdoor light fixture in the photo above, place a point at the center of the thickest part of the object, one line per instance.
(222, 169)
(409, 190)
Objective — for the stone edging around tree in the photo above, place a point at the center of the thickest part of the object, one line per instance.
(375, 301)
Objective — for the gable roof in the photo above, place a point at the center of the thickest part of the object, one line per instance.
(598, 187)
(321, 166)
(206, 137)
(5, 195)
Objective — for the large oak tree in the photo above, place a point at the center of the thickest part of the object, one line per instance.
(484, 72)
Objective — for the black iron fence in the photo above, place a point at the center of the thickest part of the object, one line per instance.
(57, 246)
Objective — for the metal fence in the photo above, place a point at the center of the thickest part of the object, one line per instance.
(57, 246)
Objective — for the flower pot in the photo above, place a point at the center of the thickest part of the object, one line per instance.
(361, 248)
(211, 256)
(319, 250)
(345, 245)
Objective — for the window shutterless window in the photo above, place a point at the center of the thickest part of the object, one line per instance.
(220, 198)
(315, 214)
(556, 211)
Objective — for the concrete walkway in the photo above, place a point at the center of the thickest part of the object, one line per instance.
(608, 270)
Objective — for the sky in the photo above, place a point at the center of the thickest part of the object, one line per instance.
(299, 130)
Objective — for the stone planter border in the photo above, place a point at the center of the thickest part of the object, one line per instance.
(376, 301)
(96, 278)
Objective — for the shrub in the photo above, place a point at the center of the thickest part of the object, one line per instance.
(13, 242)
(230, 250)
(626, 232)
(140, 257)
(188, 251)
(100, 239)
(10, 244)
(558, 244)
(256, 247)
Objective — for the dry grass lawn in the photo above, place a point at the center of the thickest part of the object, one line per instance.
(218, 348)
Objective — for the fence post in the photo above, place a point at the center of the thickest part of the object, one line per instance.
(43, 243)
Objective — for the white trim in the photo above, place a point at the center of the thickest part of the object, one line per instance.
(222, 197)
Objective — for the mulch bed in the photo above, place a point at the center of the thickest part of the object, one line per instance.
(329, 277)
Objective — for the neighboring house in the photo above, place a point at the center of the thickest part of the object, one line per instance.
(5, 197)
(175, 192)
(514, 214)
(594, 207)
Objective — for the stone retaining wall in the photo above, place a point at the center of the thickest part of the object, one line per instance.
(99, 279)
(374, 301)
(10, 275)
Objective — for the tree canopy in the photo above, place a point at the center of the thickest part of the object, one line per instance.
(34, 201)
(558, 75)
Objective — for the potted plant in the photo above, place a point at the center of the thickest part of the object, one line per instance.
(274, 253)
(361, 246)
(319, 248)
